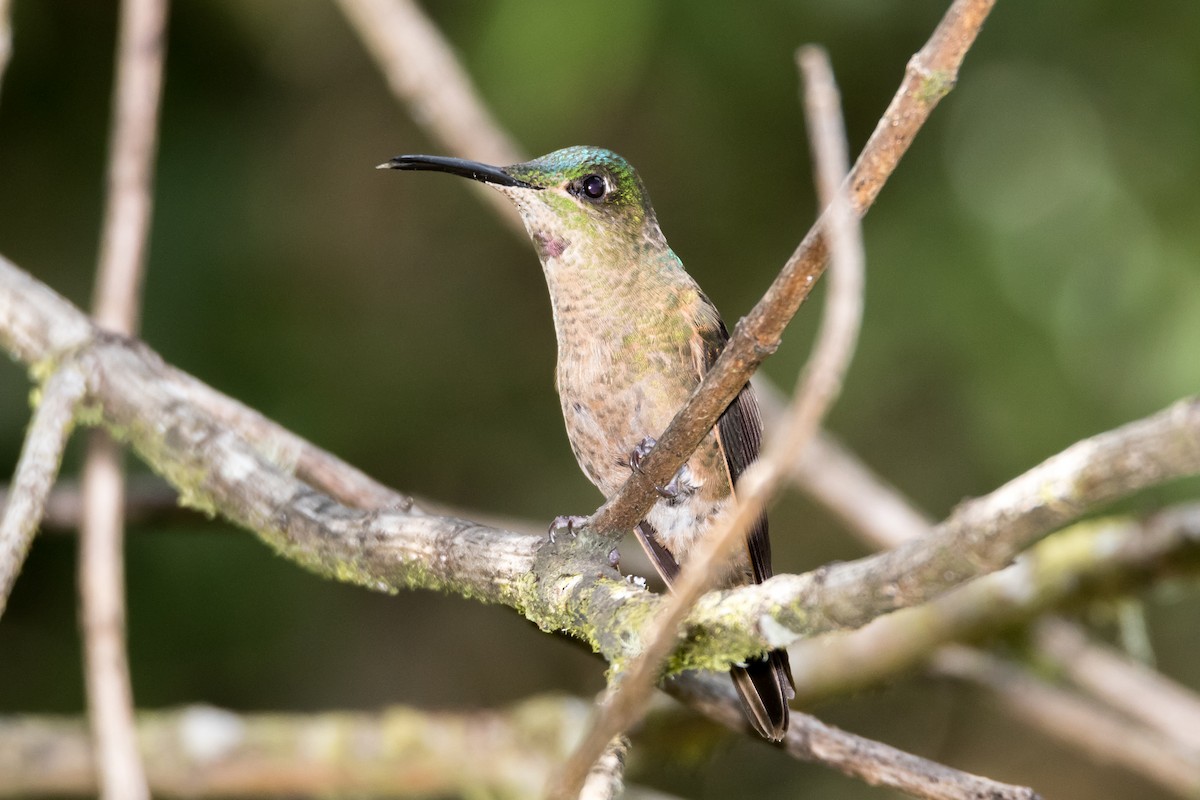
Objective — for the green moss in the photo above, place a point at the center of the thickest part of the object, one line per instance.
(347, 571)
(188, 479)
(91, 415)
(40, 371)
(936, 85)
(1069, 549)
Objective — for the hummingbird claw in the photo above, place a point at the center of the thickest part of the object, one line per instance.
(671, 491)
(639, 452)
(678, 487)
(568, 521)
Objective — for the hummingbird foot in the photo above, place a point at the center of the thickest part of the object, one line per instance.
(639, 453)
(568, 522)
(678, 488)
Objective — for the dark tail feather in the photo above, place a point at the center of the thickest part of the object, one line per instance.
(765, 686)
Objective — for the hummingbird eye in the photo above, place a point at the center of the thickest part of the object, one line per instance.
(593, 186)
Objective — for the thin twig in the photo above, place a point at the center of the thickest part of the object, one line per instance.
(36, 470)
(147, 499)
(139, 71)
(820, 382)
(117, 300)
(5, 36)
(102, 620)
(606, 779)
(875, 763)
(1073, 719)
(1133, 688)
(930, 75)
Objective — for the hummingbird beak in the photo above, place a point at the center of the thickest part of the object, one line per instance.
(484, 173)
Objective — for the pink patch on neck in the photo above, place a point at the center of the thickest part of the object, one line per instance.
(549, 246)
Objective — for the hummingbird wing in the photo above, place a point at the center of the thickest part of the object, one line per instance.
(739, 436)
(764, 684)
(739, 430)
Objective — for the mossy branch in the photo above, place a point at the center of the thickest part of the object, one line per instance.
(399, 752)
(570, 585)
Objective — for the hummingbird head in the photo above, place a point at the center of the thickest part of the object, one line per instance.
(578, 197)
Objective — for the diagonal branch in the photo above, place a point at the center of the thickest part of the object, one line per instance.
(1133, 688)
(5, 36)
(874, 763)
(1074, 718)
(36, 470)
(1105, 556)
(981, 535)
(930, 75)
(148, 499)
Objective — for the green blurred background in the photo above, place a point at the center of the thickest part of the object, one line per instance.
(1033, 279)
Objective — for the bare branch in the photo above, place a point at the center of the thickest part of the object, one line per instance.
(36, 470)
(1108, 738)
(606, 779)
(1108, 555)
(5, 36)
(878, 513)
(37, 326)
(809, 739)
(123, 244)
(102, 620)
(140, 55)
(1121, 682)
(930, 75)
(1126, 685)
(147, 499)
(982, 535)
(319, 468)
(993, 528)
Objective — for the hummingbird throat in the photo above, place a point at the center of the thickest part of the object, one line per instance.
(549, 245)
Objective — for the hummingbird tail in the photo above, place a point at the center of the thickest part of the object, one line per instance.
(765, 686)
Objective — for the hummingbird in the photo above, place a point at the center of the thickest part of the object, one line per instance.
(635, 337)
